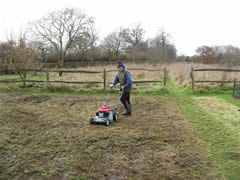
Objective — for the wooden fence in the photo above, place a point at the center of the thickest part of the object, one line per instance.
(104, 72)
(211, 70)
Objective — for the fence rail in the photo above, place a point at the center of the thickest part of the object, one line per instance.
(104, 72)
(223, 70)
(209, 70)
(138, 69)
(57, 70)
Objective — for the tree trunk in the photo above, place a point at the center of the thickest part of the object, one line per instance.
(60, 63)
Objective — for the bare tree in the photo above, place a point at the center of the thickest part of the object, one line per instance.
(3, 53)
(134, 35)
(60, 28)
(206, 54)
(134, 40)
(217, 54)
(85, 42)
(161, 39)
(161, 44)
(114, 44)
(20, 55)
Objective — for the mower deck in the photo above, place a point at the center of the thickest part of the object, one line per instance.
(104, 116)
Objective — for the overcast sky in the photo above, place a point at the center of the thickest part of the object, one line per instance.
(191, 23)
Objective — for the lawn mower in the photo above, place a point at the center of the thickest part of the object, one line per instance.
(105, 115)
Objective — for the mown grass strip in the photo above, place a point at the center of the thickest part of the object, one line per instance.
(219, 138)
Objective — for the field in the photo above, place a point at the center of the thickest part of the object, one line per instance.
(172, 134)
(180, 72)
(54, 139)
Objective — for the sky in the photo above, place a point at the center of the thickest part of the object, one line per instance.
(191, 23)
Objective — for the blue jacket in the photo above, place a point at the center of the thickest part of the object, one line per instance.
(128, 79)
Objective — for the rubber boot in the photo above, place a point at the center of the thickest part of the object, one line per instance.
(128, 109)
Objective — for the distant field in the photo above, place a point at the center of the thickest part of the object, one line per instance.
(181, 73)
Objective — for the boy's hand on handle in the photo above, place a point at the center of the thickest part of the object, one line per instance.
(122, 87)
(111, 85)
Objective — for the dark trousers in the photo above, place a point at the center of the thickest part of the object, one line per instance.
(125, 98)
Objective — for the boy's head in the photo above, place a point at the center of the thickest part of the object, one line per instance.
(120, 66)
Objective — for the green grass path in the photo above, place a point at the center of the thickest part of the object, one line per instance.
(216, 134)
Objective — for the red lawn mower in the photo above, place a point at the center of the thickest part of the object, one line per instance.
(105, 115)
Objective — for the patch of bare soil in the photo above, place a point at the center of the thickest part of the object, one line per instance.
(53, 139)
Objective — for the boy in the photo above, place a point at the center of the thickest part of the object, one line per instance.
(124, 78)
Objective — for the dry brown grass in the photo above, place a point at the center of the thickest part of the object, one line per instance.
(181, 73)
(178, 71)
(136, 75)
(146, 75)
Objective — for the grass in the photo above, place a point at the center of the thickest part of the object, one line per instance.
(54, 139)
(210, 111)
(218, 134)
(181, 73)
(139, 90)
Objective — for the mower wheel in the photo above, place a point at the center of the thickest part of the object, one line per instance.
(107, 122)
(91, 121)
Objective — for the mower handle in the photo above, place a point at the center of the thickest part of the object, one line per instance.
(106, 99)
(119, 99)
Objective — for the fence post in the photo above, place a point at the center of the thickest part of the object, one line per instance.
(24, 78)
(234, 86)
(104, 79)
(164, 76)
(47, 80)
(192, 76)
